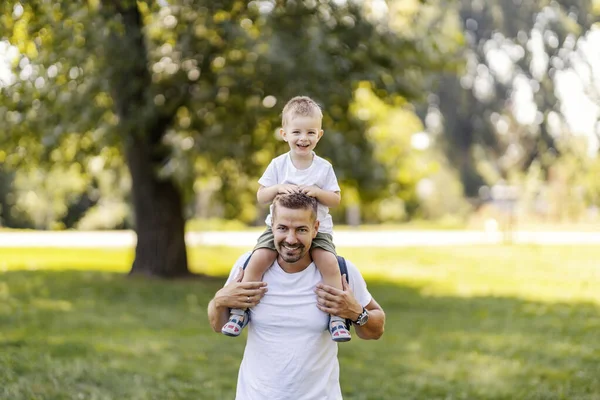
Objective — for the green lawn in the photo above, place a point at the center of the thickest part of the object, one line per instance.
(490, 322)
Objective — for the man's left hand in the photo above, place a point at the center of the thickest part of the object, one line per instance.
(338, 302)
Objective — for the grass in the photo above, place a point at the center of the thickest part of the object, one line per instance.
(490, 322)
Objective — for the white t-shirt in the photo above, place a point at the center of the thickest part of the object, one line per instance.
(298, 360)
(281, 170)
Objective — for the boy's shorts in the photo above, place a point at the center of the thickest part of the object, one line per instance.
(321, 241)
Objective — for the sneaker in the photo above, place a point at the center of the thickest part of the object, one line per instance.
(338, 330)
(238, 319)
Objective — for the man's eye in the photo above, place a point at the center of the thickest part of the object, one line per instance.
(303, 230)
(280, 228)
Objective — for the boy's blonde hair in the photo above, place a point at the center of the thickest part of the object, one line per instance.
(300, 106)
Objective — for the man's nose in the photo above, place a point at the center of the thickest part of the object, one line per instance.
(291, 238)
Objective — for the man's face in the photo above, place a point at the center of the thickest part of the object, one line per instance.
(294, 231)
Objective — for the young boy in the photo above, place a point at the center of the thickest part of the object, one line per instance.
(299, 170)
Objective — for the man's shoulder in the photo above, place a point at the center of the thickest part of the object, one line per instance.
(242, 259)
(352, 269)
(239, 263)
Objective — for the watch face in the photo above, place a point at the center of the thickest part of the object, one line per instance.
(362, 318)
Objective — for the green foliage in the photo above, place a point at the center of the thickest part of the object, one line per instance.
(490, 322)
(503, 111)
(203, 84)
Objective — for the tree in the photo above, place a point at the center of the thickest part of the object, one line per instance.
(179, 88)
(507, 107)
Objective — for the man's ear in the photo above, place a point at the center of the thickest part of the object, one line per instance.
(316, 228)
(283, 134)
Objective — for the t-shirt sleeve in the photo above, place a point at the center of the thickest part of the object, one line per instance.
(239, 264)
(269, 177)
(331, 183)
(358, 285)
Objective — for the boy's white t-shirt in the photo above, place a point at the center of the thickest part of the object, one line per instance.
(281, 170)
(296, 360)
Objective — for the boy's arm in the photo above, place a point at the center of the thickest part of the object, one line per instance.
(328, 191)
(325, 197)
(265, 195)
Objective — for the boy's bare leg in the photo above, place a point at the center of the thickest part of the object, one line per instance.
(327, 264)
(260, 261)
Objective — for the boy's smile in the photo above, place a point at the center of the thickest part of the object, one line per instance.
(302, 133)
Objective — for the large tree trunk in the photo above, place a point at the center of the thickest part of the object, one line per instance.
(159, 222)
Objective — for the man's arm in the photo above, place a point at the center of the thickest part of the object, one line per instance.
(375, 326)
(343, 304)
(236, 294)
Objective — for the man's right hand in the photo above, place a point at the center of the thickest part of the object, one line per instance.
(238, 294)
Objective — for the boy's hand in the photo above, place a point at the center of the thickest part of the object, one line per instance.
(288, 188)
(312, 191)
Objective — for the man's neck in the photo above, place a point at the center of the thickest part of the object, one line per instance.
(298, 266)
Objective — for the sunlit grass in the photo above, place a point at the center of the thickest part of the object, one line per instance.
(493, 322)
(567, 273)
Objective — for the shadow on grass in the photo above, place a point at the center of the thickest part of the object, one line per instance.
(98, 335)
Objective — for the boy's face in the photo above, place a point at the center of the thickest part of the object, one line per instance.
(302, 134)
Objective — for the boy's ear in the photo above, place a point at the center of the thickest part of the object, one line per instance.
(282, 134)
(321, 132)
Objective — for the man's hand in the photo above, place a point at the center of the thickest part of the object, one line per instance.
(238, 294)
(287, 188)
(338, 302)
(312, 191)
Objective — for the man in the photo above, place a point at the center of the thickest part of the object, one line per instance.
(295, 360)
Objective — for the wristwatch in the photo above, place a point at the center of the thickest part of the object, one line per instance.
(363, 317)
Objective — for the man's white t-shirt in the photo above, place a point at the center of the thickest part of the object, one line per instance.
(281, 170)
(295, 360)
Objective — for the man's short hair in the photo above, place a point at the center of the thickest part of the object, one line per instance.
(296, 201)
(302, 106)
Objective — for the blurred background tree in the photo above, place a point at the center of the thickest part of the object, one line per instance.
(509, 107)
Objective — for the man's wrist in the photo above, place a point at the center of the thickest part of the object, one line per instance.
(218, 300)
(363, 318)
(356, 314)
